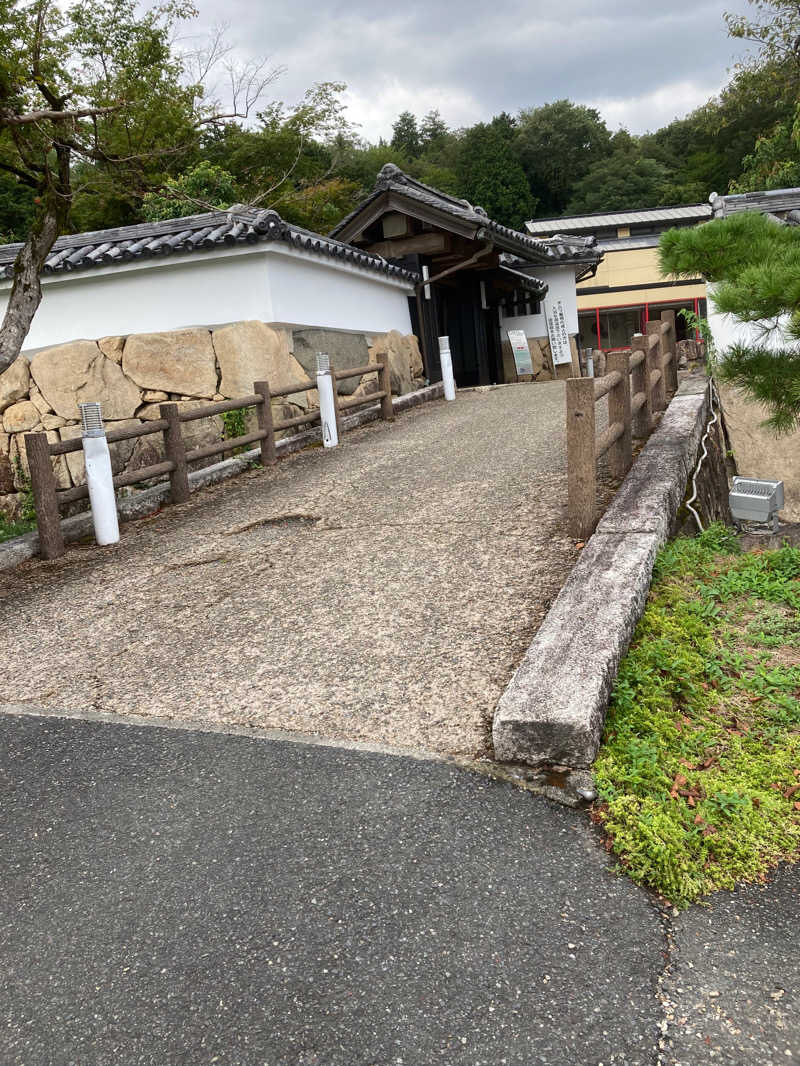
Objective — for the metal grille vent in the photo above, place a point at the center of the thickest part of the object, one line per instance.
(755, 499)
(92, 420)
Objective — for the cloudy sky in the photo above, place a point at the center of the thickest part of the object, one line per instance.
(640, 64)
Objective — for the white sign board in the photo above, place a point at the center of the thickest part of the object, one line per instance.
(557, 331)
(521, 351)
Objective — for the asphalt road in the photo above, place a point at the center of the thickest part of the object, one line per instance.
(184, 897)
(173, 897)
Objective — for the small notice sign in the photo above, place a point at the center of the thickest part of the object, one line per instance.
(557, 332)
(522, 353)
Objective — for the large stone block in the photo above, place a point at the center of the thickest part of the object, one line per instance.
(251, 351)
(6, 475)
(14, 382)
(120, 451)
(20, 417)
(19, 462)
(181, 362)
(400, 358)
(78, 372)
(346, 350)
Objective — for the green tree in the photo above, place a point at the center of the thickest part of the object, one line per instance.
(95, 82)
(16, 208)
(432, 131)
(774, 163)
(201, 188)
(754, 265)
(557, 144)
(490, 175)
(705, 150)
(406, 136)
(622, 181)
(775, 30)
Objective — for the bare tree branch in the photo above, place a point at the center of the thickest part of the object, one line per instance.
(10, 118)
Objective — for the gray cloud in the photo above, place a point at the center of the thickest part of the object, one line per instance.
(640, 65)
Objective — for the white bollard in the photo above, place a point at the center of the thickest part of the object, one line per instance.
(99, 476)
(327, 406)
(446, 360)
(589, 363)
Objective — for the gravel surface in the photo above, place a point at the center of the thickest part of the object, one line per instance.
(383, 592)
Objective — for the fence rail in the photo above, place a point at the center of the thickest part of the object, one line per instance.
(636, 384)
(48, 498)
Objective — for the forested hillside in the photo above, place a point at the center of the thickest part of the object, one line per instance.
(308, 163)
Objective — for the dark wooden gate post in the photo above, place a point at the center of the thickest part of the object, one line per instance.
(175, 451)
(43, 482)
(265, 422)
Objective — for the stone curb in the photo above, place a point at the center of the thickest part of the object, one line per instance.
(554, 707)
(17, 550)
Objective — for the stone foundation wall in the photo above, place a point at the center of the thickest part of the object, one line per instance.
(542, 361)
(131, 376)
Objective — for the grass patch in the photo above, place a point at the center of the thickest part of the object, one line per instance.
(9, 529)
(699, 771)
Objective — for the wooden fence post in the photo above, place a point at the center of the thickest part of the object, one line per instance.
(672, 346)
(620, 455)
(643, 419)
(175, 451)
(657, 361)
(265, 423)
(385, 383)
(43, 483)
(581, 466)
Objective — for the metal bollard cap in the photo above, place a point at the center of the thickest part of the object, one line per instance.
(92, 420)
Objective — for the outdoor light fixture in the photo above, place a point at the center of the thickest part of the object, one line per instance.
(327, 405)
(446, 360)
(756, 500)
(99, 476)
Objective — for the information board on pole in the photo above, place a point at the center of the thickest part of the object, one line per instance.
(521, 351)
(557, 332)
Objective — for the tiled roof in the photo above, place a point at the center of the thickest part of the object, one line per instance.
(602, 220)
(195, 233)
(550, 252)
(771, 201)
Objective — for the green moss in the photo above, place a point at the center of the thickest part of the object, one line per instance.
(702, 744)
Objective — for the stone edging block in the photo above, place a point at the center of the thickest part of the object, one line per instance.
(554, 707)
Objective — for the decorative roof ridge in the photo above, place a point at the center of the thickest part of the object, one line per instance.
(238, 224)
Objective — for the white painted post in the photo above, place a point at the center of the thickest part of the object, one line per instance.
(446, 360)
(99, 476)
(327, 404)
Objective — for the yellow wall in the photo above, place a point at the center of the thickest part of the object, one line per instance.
(636, 268)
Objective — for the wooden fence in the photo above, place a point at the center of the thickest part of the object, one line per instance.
(639, 384)
(49, 498)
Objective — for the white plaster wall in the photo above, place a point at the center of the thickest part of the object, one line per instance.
(728, 330)
(561, 282)
(272, 284)
(305, 291)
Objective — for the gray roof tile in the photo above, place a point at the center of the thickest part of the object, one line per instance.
(558, 249)
(602, 220)
(194, 233)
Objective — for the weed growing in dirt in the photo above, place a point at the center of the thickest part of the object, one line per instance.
(699, 772)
